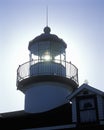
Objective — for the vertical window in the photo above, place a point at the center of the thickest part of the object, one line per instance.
(87, 110)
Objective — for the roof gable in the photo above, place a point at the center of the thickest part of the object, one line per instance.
(85, 89)
(19, 120)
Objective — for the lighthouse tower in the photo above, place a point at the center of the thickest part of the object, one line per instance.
(47, 78)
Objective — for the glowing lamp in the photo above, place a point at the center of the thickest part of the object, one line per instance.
(47, 57)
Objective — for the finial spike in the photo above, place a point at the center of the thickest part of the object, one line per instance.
(47, 16)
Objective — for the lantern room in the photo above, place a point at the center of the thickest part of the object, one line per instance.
(47, 47)
(47, 58)
(48, 53)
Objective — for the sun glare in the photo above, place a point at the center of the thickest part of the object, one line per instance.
(47, 57)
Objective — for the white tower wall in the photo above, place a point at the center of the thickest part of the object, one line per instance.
(44, 96)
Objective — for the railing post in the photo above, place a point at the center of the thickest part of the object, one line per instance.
(24, 70)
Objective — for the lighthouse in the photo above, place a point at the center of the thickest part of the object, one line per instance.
(47, 78)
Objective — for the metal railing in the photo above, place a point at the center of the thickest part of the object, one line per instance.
(41, 67)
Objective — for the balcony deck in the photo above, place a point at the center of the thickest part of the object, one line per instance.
(42, 68)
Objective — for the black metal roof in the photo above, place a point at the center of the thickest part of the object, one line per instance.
(22, 120)
(59, 116)
(46, 36)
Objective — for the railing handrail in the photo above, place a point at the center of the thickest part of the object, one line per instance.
(23, 70)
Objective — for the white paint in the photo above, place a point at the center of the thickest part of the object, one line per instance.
(100, 104)
(44, 96)
(74, 110)
(48, 68)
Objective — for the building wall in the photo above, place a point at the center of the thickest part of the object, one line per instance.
(74, 111)
(45, 96)
(60, 127)
(100, 105)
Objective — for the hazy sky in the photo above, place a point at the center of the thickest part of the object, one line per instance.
(80, 23)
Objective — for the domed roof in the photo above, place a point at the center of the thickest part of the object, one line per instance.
(46, 36)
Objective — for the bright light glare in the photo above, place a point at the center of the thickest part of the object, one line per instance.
(47, 57)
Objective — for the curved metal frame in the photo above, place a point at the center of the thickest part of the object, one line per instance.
(23, 70)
